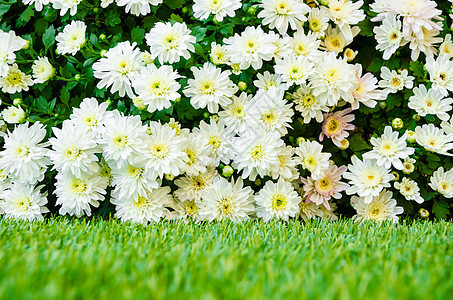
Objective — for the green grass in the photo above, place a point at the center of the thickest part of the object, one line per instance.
(65, 258)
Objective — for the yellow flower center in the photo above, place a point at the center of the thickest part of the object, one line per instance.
(215, 142)
(120, 141)
(14, 77)
(22, 151)
(72, 153)
(257, 152)
(79, 186)
(279, 202)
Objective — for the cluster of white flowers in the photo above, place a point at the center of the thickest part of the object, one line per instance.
(158, 170)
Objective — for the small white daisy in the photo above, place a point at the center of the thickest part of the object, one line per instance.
(72, 38)
(381, 208)
(409, 189)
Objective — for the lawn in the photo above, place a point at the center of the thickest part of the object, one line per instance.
(64, 258)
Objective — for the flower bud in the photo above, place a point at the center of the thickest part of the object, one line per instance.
(300, 140)
(382, 104)
(411, 136)
(103, 53)
(416, 117)
(423, 213)
(397, 123)
(396, 176)
(350, 54)
(227, 171)
(206, 115)
(251, 10)
(344, 144)
(138, 103)
(242, 85)
(102, 37)
(258, 181)
(17, 101)
(169, 177)
(215, 118)
(78, 77)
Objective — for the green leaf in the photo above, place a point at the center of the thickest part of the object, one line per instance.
(4, 8)
(48, 37)
(138, 35)
(417, 68)
(199, 33)
(227, 29)
(65, 95)
(176, 18)
(440, 209)
(174, 4)
(366, 27)
(25, 16)
(356, 143)
(113, 18)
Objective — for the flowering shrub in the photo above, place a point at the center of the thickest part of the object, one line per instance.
(225, 109)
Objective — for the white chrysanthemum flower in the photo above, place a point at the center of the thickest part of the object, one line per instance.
(74, 150)
(218, 8)
(447, 126)
(163, 152)
(144, 209)
(389, 36)
(318, 21)
(251, 47)
(281, 13)
(218, 139)
(218, 54)
(304, 44)
(138, 7)
(393, 82)
(309, 106)
(169, 42)
(381, 208)
(157, 87)
(335, 41)
(367, 179)
(294, 69)
(277, 200)
(122, 141)
(10, 44)
(269, 111)
(346, 13)
(118, 68)
(188, 211)
(287, 164)
(434, 139)
(210, 87)
(24, 202)
(91, 115)
(442, 182)
(42, 70)
(132, 181)
(431, 102)
(333, 79)
(440, 73)
(409, 189)
(190, 188)
(13, 115)
(268, 80)
(367, 91)
(39, 4)
(417, 15)
(105, 3)
(329, 186)
(282, 45)
(15, 81)
(225, 200)
(24, 154)
(388, 150)
(234, 115)
(446, 48)
(310, 210)
(197, 155)
(425, 45)
(408, 165)
(72, 38)
(313, 159)
(75, 194)
(65, 5)
(256, 153)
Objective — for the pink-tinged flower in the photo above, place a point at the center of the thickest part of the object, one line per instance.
(336, 124)
(322, 190)
(367, 92)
